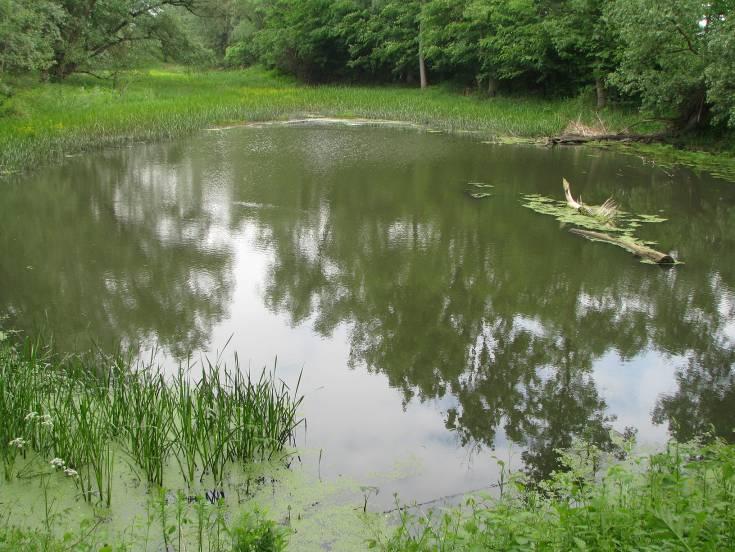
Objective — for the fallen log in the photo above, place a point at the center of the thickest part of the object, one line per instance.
(576, 139)
(637, 249)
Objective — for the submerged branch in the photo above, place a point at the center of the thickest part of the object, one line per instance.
(638, 249)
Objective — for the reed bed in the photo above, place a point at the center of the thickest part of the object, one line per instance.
(74, 413)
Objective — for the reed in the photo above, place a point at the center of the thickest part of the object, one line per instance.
(76, 411)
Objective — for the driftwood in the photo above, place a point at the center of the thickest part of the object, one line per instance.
(576, 139)
(637, 249)
(607, 211)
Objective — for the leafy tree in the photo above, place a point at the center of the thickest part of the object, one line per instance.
(383, 40)
(27, 29)
(91, 30)
(248, 19)
(583, 38)
(302, 37)
(518, 43)
(720, 75)
(453, 30)
(671, 55)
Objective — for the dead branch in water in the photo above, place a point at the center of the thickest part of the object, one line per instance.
(577, 139)
(637, 249)
(607, 211)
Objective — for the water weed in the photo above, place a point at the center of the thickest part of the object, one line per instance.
(76, 411)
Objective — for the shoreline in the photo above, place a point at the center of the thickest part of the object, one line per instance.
(46, 122)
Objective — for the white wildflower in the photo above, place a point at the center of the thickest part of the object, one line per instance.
(57, 463)
(70, 472)
(18, 442)
(31, 416)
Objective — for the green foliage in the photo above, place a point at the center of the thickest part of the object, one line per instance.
(75, 409)
(27, 29)
(91, 34)
(301, 37)
(720, 74)
(383, 40)
(675, 60)
(453, 33)
(84, 113)
(581, 35)
(674, 55)
(254, 532)
(679, 499)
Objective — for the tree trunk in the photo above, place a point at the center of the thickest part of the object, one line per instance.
(601, 93)
(422, 62)
(61, 70)
(422, 70)
(492, 87)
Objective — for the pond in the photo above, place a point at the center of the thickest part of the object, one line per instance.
(432, 330)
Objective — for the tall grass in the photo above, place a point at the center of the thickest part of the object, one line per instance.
(45, 121)
(76, 411)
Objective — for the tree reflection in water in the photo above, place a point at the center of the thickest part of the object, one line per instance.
(484, 303)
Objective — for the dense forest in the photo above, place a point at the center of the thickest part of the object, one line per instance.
(674, 59)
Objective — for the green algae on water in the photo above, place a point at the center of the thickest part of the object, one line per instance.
(622, 228)
(624, 224)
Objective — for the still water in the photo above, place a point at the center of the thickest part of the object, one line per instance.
(433, 331)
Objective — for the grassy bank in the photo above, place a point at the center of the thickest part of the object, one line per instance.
(680, 499)
(44, 121)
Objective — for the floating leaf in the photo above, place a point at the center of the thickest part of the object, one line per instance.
(480, 195)
(480, 185)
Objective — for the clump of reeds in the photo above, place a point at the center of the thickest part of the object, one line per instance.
(79, 409)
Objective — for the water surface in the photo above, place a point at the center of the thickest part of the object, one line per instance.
(433, 330)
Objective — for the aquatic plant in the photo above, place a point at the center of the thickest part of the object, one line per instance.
(624, 224)
(678, 499)
(254, 531)
(173, 521)
(96, 404)
(607, 212)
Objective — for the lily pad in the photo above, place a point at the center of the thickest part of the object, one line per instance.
(479, 195)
